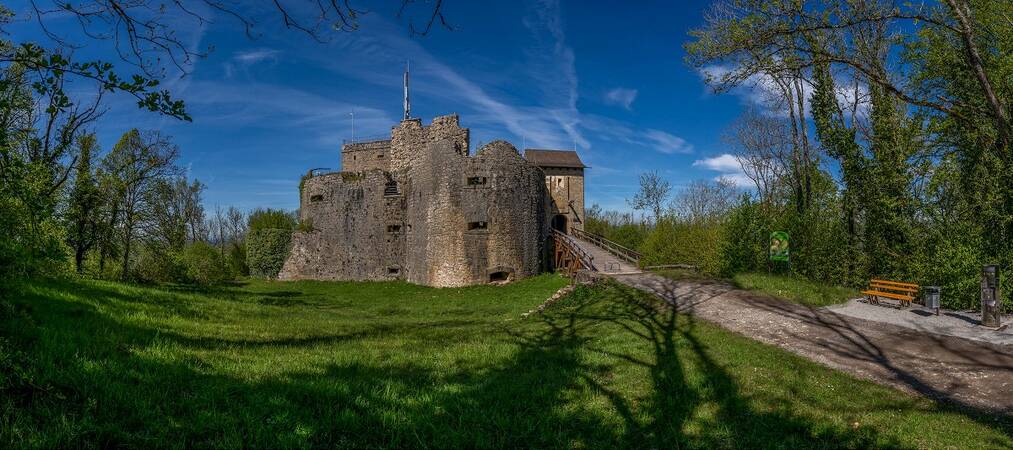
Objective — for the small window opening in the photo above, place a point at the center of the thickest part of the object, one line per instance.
(393, 228)
(559, 182)
(316, 198)
(393, 270)
(390, 189)
(379, 156)
(476, 181)
(477, 225)
(499, 277)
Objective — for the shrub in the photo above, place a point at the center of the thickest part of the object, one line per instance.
(236, 260)
(266, 250)
(263, 219)
(158, 265)
(677, 242)
(204, 264)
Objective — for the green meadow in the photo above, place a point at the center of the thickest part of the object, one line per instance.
(327, 364)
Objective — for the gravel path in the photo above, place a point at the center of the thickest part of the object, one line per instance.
(950, 323)
(969, 373)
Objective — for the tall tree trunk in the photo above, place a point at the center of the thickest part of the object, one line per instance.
(962, 12)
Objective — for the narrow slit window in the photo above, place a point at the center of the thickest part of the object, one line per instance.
(379, 156)
(477, 181)
(477, 225)
(393, 228)
(316, 198)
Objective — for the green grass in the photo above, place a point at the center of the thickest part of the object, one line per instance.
(315, 364)
(796, 290)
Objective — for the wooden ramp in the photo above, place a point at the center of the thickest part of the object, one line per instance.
(607, 256)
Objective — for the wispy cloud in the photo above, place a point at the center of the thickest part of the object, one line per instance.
(668, 143)
(324, 119)
(621, 97)
(728, 168)
(618, 131)
(255, 56)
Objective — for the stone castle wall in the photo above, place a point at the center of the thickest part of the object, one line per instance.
(362, 156)
(431, 214)
(475, 219)
(350, 238)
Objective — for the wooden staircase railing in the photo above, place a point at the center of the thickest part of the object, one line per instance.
(568, 257)
(618, 250)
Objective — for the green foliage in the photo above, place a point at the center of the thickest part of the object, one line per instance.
(266, 250)
(318, 364)
(204, 264)
(236, 260)
(264, 219)
(673, 241)
(747, 232)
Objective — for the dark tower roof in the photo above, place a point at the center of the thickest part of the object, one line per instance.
(553, 158)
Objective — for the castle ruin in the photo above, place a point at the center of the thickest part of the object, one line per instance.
(420, 207)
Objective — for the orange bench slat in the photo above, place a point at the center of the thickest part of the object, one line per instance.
(885, 287)
(889, 295)
(894, 283)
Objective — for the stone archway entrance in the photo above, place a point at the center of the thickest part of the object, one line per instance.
(559, 223)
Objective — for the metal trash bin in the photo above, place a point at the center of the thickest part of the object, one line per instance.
(931, 297)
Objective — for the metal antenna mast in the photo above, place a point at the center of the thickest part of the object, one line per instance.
(407, 99)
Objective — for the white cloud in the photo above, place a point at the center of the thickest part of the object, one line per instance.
(723, 163)
(621, 96)
(728, 168)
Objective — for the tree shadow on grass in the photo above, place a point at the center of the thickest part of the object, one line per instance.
(92, 388)
(709, 411)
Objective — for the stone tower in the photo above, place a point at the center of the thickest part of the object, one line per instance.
(564, 179)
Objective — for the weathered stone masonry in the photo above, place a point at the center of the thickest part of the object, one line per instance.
(420, 208)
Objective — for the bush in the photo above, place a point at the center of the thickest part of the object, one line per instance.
(236, 260)
(204, 264)
(266, 250)
(265, 219)
(158, 265)
(677, 242)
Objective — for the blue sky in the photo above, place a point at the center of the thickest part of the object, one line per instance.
(609, 79)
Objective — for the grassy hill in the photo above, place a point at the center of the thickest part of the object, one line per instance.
(310, 364)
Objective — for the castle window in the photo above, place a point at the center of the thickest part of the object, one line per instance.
(379, 156)
(390, 189)
(476, 181)
(393, 270)
(393, 228)
(477, 225)
(499, 277)
(316, 198)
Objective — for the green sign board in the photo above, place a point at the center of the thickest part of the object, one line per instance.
(779, 246)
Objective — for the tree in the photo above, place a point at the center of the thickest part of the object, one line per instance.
(137, 163)
(654, 191)
(763, 149)
(83, 213)
(176, 216)
(705, 200)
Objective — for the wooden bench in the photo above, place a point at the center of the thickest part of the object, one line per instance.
(902, 292)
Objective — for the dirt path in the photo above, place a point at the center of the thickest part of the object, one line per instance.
(961, 371)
